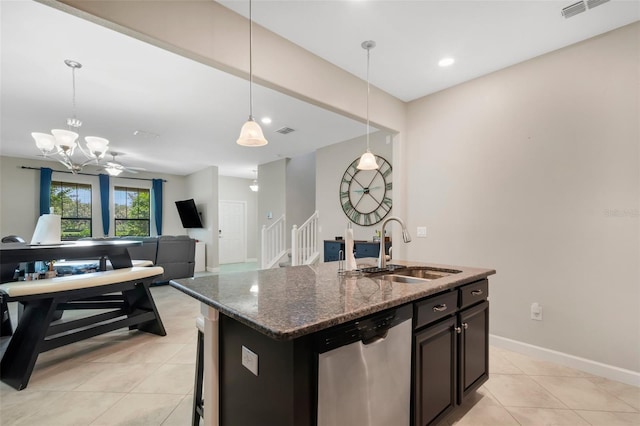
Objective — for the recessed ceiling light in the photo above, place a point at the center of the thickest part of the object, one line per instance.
(445, 62)
(266, 120)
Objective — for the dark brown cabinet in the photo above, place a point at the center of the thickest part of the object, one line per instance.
(451, 355)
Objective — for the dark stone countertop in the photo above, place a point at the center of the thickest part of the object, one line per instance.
(287, 303)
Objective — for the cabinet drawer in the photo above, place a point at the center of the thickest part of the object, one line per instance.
(473, 293)
(435, 308)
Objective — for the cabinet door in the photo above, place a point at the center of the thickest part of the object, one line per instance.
(332, 250)
(435, 372)
(366, 249)
(474, 349)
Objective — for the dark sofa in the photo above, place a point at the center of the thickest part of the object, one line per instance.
(175, 253)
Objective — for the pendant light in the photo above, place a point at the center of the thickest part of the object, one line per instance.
(251, 133)
(254, 185)
(368, 160)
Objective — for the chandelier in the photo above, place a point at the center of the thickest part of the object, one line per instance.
(61, 144)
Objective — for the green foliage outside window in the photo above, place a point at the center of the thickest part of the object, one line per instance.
(132, 207)
(72, 201)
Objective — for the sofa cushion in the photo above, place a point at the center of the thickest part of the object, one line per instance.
(147, 251)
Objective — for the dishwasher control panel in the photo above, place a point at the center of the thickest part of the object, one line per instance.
(365, 329)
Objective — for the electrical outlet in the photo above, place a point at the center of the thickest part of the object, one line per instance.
(250, 360)
(421, 232)
(536, 311)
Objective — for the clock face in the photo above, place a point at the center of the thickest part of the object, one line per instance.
(365, 195)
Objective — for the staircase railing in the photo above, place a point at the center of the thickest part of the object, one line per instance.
(304, 242)
(273, 243)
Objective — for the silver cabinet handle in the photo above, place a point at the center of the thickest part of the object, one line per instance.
(476, 292)
(458, 330)
(465, 325)
(440, 308)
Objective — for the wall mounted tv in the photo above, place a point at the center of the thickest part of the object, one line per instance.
(189, 214)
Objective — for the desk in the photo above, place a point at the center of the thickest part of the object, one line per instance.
(115, 251)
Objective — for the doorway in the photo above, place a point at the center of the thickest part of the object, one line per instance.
(232, 231)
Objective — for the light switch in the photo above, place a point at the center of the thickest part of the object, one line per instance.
(250, 360)
(421, 232)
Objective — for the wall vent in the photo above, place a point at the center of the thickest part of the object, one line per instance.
(285, 130)
(574, 9)
(593, 3)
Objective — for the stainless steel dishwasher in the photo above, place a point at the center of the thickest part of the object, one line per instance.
(364, 371)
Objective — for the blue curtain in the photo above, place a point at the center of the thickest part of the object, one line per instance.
(104, 202)
(157, 204)
(45, 190)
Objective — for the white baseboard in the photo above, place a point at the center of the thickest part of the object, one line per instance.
(252, 259)
(210, 269)
(592, 367)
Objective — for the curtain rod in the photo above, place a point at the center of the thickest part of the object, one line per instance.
(85, 174)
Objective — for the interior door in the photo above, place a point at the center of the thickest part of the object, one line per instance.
(232, 231)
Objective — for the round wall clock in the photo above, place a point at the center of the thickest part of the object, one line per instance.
(365, 195)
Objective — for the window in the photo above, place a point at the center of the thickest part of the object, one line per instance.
(72, 201)
(131, 211)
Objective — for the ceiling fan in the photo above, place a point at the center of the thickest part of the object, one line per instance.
(114, 168)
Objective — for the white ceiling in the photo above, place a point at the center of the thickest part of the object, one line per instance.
(412, 36)
(127, 85)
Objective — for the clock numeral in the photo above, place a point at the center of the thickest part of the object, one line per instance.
(367, 219)
(344, 195)
(385, 170)
(377, 215)
(347, 207)
(388, 186)
(355, 216)
(387, 201)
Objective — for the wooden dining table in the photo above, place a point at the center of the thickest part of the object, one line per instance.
(115, 251)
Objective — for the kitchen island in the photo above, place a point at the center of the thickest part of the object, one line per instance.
(278, 313)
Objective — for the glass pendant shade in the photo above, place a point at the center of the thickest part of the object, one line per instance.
(367, 162)
(251, 134)
(97, 146)
(45, 142)
(65, 139)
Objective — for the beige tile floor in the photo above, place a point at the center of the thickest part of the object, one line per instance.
(133, 378)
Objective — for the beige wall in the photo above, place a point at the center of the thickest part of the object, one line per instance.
(300, 190)
(534, 171)
(202, 186)
(20, 205)
(331, 163)
(272, 200)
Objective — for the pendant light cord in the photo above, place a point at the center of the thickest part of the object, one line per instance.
(368, 90)
(250, 64)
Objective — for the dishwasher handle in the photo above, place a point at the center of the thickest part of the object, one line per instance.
(372, 340)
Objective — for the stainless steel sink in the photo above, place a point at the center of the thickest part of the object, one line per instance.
(402, 279)
(417, 274)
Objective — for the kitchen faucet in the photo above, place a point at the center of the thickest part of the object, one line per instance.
(382, 258)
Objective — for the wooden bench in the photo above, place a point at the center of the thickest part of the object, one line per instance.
(123, 293)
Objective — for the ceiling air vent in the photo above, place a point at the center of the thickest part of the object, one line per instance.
(285, 130)
(574, 9)
(593, 3)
